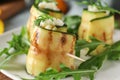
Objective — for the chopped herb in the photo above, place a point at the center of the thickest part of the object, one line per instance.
(19, 45)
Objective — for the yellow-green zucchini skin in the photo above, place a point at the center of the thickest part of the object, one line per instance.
(97, 24)
(49, 49)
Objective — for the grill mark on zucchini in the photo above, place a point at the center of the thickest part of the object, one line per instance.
(72, 51)
(72, 46)
(104, 36)
(34, 43)
(94, 35)
(63, 39)
(83, 33)
(48, 47)
(111, 37)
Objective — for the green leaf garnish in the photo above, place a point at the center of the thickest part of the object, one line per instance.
(112, 52)
(19, 45)
(117, 24)
(81, 44)
(95, 62)
(52, 74)
(101, 6)
(73, 23)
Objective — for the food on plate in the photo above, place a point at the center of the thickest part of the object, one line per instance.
(42, 7)
(54, 47)
(97, 23)
(50, 44)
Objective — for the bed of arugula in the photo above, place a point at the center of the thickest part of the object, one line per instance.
(20, 45)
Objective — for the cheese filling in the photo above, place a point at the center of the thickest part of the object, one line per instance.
(93, 8)
(51, 23)
(48, 5)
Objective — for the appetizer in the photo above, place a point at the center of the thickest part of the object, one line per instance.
(50, 44)
(42, 7)
(53, 46)
(97, 23)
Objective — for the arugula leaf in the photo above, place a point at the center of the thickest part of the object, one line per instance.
(95, 62)
(81, 44)
(117, 24)
(99, 5)
(114, 51)
(73, 23)
(18, 45)
(52, 74)
(87, 2)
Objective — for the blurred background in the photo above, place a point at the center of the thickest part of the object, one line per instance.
(15, 13)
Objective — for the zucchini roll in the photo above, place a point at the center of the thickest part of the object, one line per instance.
(50, 44)
(99, 24)
(42, 7)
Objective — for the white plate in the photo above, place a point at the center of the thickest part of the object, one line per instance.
(16, 68)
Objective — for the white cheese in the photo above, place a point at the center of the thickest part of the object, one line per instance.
(46, 22)
(93, 8)
(48, 5)
(51, 23)
(49, 27)
(58, 22)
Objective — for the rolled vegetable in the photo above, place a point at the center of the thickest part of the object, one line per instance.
(49, 48)
(97, 24)
(37, 11)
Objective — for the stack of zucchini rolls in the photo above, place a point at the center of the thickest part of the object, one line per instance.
(39, 8)
(50, 41)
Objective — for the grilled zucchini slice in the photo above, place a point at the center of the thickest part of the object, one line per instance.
(96, 24)
(49, 49)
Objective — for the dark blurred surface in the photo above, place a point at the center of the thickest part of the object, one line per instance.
(8, 8)
(116, 4)
(20, 16)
